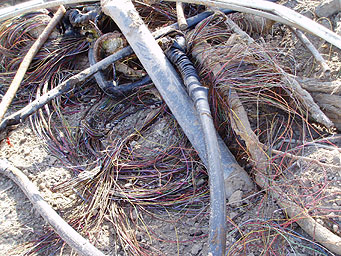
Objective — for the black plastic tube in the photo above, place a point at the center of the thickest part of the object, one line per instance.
(108, 87)
(198, 93)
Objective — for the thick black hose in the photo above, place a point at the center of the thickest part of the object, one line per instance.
(198, 93)
(108, 87)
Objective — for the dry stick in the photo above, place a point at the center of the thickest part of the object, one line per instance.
(297, 20)
(20, 115)
(303, 95)
(314, 85)
(10, 94)
(313, 50)
(181, 16)
(318, 232)
(61, 227)
(308, 159)
(242, 127)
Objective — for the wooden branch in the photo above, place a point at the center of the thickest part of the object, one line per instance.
(304, 158)
(182, 23)
(318, 57)
(331, 105)
(314, 85)
(60, 226)
(10, 94)
(297, 20)
(327, 95)
(319, 233)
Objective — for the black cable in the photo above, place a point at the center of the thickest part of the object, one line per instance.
(108, 87)
(199, 94)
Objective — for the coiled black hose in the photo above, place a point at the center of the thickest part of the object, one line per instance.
(108, 87)
(77, 18)
(199, 94)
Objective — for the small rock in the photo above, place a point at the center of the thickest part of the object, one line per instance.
(42, 186)
(196, 249)
(328, 7)
(28, 131)
(336, 157)
(335, 228)
(22, 140)
(235, 198)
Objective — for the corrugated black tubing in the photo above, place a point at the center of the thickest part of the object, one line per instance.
(198, 93)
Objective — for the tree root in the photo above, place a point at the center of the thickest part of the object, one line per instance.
(61, 227)
(327, 95)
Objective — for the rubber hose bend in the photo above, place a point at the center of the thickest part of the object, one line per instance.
(108, 87)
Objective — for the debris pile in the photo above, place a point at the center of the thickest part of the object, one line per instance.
(204, 124)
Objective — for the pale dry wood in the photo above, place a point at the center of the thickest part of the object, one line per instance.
(327, 95)
(320, 234)
(318, 57)
(331, 104)
(60, 226)
(13, 88)
(314, 85)
(182, 23)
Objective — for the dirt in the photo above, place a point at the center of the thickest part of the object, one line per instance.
(310, 185)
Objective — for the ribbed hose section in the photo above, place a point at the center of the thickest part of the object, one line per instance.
(198, 93)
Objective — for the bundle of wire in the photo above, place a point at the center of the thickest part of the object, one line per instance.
(130, 158)
(276, 115)
(145, 167)
(16, 37)
(118, 167)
